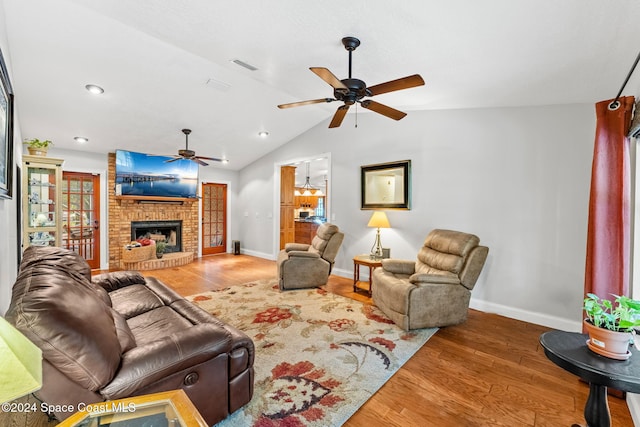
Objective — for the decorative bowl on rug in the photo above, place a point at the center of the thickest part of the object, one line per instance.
(319, 356)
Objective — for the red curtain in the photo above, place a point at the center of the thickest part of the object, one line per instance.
(608, 236)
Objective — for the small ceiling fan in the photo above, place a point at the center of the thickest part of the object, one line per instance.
(352, 90)
(191, 155)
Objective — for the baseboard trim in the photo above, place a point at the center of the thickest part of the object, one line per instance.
(527, 316)
(258, 254)
(343, 273)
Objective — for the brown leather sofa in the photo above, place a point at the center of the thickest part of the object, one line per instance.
(121, 334)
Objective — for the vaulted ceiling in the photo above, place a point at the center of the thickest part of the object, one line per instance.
(168, 64)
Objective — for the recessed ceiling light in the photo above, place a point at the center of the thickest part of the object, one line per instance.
(263, 134)
(81, 139)
(94, 89)
(225, 161)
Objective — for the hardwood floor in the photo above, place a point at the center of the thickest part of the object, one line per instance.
(489, 371)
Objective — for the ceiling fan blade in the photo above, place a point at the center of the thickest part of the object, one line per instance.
(301, 103)
(328, 77)
(339, 116)
(174, 159)
(399, 84)
(197, 160)
(385, 110)
(215, 159)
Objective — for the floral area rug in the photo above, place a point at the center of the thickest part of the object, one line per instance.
(319, 356)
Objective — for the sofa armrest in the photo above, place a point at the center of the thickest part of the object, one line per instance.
(434, 278)
(303, 254)
(146, 364)
(399, 266)
(118, 279)
(288, 247)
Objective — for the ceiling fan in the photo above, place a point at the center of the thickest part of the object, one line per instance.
(191, 155)
(352, 90)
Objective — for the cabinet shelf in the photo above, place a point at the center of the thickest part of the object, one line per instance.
(41, 213)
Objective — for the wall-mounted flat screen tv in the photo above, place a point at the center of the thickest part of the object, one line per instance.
(139, 174)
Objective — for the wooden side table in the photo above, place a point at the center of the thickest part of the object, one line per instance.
(367, 261)
(569, 351)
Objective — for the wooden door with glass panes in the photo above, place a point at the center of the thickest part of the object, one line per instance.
(81, 215)
(41, 178)
(214, 218)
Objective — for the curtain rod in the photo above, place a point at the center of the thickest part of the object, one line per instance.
(615, 104)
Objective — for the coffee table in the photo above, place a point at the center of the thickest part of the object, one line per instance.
(569, 351)
(170, 408)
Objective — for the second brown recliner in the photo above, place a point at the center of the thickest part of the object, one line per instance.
(307, 266)
(435, 289)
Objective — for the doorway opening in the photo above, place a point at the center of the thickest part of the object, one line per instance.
(311, 197)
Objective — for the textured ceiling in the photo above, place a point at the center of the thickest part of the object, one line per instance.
(155, 57)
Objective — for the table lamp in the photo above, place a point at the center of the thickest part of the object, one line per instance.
(20, 366)
(379, 220)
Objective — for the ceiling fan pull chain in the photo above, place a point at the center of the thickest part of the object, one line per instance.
(356, 114)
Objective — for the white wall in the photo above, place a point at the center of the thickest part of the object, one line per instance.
(516, 177)
(8, 208)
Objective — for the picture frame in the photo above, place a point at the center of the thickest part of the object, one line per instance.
(6, 132)
(386, 185)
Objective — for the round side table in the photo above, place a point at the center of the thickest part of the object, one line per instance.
(569, 351)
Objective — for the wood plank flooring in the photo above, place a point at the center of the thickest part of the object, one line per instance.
(489, 371)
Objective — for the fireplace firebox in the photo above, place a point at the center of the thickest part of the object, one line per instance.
(169, 231)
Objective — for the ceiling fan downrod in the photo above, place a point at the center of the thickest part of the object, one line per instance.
(186, 135)
(350, 43)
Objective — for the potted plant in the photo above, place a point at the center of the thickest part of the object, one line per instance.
(161, 245)
(610, 324)
(38, 147)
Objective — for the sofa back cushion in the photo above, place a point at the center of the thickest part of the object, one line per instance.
(58, 309)
(445, 250)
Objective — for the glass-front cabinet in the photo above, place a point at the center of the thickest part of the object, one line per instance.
(41, 196)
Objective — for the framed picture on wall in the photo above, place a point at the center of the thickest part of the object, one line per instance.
(6, 132)
(386, 185)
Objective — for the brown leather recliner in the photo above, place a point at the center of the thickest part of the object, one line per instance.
(307, 266)
(122, 335)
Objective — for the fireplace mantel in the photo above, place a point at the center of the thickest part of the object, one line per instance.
(158, 199)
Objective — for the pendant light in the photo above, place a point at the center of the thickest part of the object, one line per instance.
(307, 189)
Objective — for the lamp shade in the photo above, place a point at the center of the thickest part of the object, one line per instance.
(20, 364)
(379, 220)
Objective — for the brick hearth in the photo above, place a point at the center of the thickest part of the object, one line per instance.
(174, 259)
(123, 211)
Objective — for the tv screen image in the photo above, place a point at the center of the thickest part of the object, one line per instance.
(139, 174)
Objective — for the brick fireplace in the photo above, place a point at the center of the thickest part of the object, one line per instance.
(168, 231)
(124, 211)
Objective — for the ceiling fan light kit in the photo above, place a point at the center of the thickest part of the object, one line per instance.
(351, 91)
